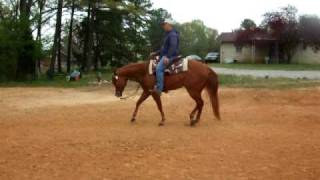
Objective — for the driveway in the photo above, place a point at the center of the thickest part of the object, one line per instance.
(269, 73)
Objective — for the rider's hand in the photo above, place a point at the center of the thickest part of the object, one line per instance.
(165, 60)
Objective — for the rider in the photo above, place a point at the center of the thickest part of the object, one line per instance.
(169, 50)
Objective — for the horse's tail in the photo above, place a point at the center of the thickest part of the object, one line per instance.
(212, 89)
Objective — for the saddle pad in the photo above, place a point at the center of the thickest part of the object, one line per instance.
(175, 68)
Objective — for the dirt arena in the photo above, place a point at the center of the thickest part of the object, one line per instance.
(53, 133)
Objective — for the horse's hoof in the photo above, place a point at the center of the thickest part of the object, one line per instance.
(193, 123)
(161, 124)
(133, 120)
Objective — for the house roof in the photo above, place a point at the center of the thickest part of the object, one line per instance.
(231, 37)
(228, 37)
(262, 36)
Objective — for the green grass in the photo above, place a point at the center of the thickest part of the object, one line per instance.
(271, 83)
(225, 81)
(58, 81)
(288, 67)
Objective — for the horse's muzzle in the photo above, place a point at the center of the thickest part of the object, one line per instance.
(118, 94)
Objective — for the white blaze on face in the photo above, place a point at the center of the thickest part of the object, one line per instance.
(116, 77)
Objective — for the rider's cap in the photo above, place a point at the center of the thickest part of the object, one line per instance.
(167, 21)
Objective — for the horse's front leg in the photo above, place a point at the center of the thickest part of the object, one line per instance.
(157, 98)
(142, 98)
(193, 113)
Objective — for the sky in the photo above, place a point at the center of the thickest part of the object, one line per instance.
(226, 15)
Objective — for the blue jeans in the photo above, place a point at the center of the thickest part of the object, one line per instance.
(160, 74)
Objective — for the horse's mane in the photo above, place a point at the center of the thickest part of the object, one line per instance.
(134, 70)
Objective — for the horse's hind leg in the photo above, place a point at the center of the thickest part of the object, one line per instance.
(142, 98)
(198, 99)
(159, 104)
(200, 106)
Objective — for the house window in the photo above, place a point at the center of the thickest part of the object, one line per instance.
(239, 49)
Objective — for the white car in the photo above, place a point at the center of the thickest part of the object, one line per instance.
(212, 57)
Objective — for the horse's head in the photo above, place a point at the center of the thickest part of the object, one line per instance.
(119, 83)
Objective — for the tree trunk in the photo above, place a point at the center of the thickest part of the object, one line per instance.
(25, 64)
(59, 51)
(70, 37)
(92, 37)
(41, 4)
(276, 53)
(96, 57)
(23, 7)
(87, 41)
(57, 39)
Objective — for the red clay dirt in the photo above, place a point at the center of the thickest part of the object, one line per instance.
(52, 133)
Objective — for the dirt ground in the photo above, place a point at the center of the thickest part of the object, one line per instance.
(52, 133)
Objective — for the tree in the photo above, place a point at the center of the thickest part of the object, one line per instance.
(86, 50)
(8, 48)
(137, 19)
(196, 38)
(41, 5)
(248, 24)
(18, 48)
(213, 42)
(70, 36)
(26, 48)
(56, 49)
(309, 28)
(284, 25)
(116, 34)
(59, 43)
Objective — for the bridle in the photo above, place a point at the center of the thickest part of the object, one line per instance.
(116, 77)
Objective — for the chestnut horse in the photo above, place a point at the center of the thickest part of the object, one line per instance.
(198, 77)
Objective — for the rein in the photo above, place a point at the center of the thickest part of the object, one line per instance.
(132, 75)
(132, 94)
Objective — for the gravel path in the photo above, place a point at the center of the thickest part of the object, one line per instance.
(270, 73)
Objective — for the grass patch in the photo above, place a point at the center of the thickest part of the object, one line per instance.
(287, 67)
(225, 80)
(59, 81)
(272, 83)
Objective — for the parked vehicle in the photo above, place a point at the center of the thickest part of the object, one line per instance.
(212, 57)
(194, 57)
